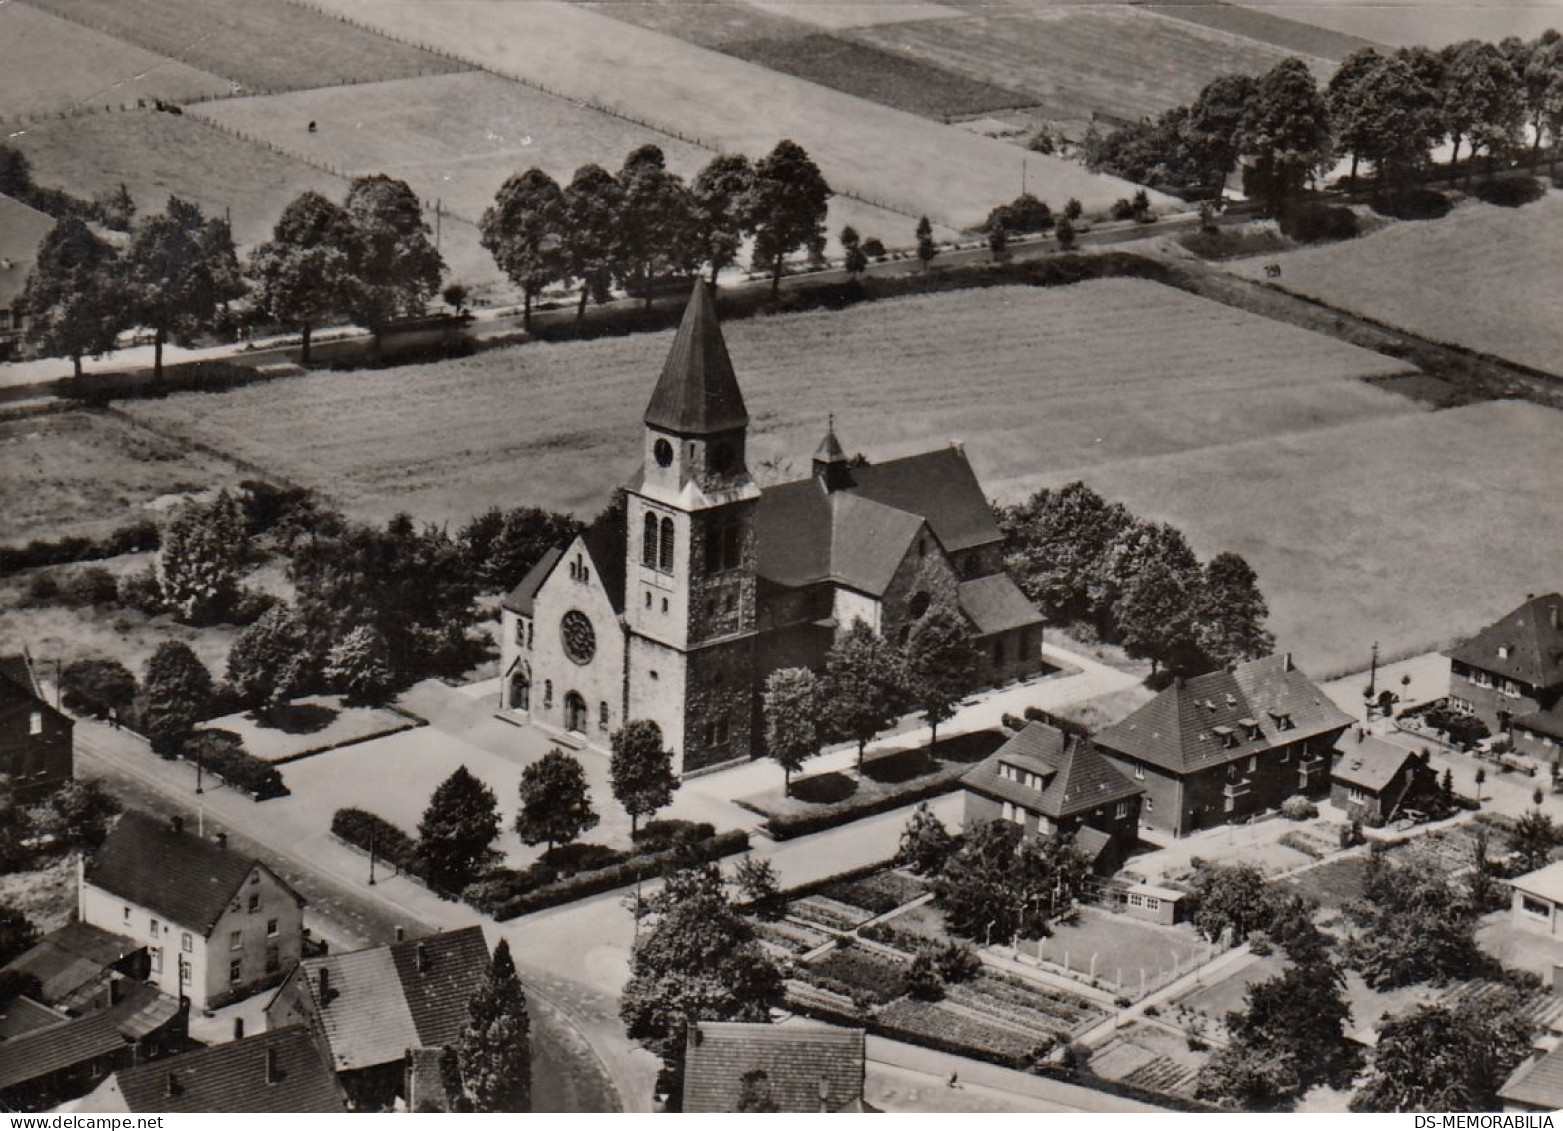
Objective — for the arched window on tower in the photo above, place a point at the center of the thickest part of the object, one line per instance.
(648, 549)
(665, 557)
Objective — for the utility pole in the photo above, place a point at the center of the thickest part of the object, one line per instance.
(1022, 176)
(1373, 672)
(439, 208)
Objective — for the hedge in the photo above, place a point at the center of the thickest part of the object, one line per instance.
(358, 826)
(508, 894)
(784, 826)
(133, 537)
(235, 765)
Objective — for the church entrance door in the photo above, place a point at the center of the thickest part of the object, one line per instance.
(520, 692)
(575, 713)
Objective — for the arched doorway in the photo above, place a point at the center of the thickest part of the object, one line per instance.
(575, 713)
(520, 691)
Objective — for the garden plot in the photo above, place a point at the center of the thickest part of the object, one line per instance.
(1123, 955)
(49, 65)
(309, 725)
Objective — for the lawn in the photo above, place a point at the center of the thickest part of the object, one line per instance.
(1043, 384)
(1378, 530)
(262, 44)
(46, 895)
(1431, 23)
(83, 473)
(1484, 277)
(1122, 948)
(873, 152)
(1263, 25)
(1119, 60)
(313, 723)
(1218, 999)
(1332, 885)
(48, 64)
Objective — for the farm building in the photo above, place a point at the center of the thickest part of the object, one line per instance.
(22, 230)
(36, 744)
(1373, 779)
(732, 1066)
(218, 925)
(715, 583)
(1228, 745)
(1514, 667)
(1538, 900)
(1048, 783)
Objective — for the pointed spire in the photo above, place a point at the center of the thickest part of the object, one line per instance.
(830, 450)
(698, 393)
(831, 466)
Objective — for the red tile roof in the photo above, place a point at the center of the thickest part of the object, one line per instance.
(234, 1078)
(1526, 645)
(808, 1067)
(1075, 777)
(698, 394)
(1185, 728)
(186, 879)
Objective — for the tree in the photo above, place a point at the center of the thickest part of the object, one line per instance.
(176, 693)
(656, 222)
(925, 843)
(853, 258)
(73, 300)
(1353, 118)
(524, 230)
(757, 883)
(699, 961)
(1443, 1058)
(926, 251)
(785, 207)
(1000, 885)
(494, 1050)
(1057, 541)
(1535, 836)
(1214, 126)
(1542, 79)
(1154, 615)
(1398, 124)
(98, 687)
(179, 273)
(998, 242)
(200, 559)
(459, 824)
(359, 666)
(396, 268)
(1288, 132)
(556, 802)
(720, 192)
(792, 706)
(1413, 925)
(1139, 550)
(17, 934)
(271, 661)
(1231, 613)
(1482, 99)
(115, 208)
(941, 662)
(79, 813)
(592, 204)
(641, 770)
(304, 275)
(500, 546)
(864, 686)
(1066, 234)
(1231, 898)
(1073, 209)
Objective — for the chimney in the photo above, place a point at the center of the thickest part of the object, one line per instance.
(171, 1085)
(959, 445)
(272, 1075)
(177, 823)
(1286, 662)
(325, 986)
(423, 959)
(400, 934)
(222, 840)
(238, 1028)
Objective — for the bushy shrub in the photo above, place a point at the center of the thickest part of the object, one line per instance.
(1010, 722)
(131, 538)
(361, 829)
(91, 586)
(97, 687)
(251, 605)
(41, 589)
(874, 248)
(921, 980)
(1511, 192)
(1414, 204)
(1319, 223)
(1298, 809)
(140, 591)
(1122, 209)
(661, 835)
(957, 963)
(223, 754)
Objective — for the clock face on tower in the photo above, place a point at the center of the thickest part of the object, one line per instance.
(580, 640)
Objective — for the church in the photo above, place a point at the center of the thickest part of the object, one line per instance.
(716, 582)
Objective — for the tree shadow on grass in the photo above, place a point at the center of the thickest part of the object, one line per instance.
(298, 718)
(969, 748)
(901, 766)
(824, 789)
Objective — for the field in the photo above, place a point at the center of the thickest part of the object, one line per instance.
(260, 44)
(1043, 384)
(48, 65)
(1080, 60)
(866, 150)
(1434, 24)
(1501, 299)
(82, 474)
(157, 154)
(1254, 23)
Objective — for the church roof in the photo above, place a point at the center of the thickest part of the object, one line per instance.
(522, 596)
(940, 486)
(698, 393)
(830, 450)
(995, 604)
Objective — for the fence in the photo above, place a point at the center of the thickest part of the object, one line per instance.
(1132, 982)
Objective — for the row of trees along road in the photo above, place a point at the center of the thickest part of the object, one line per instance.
(1387, 109)
(644, 223)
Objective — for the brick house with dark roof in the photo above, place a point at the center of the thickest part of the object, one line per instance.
(1513, 667)
(1228, 745)
(372, 1009)
(1373, 780)
(1049, 782)
(1539, 734)
(803, 1067)
(279, 1071)
(715, 582)
(218, 925)
(36, 744)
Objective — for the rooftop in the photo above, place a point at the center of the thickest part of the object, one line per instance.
(22, 229)
(1537, 1083)
(1526, 645)
(698, 394)
(1544, 882)
(279, 1071)
(1368, 762)
(77, 954)
(1071, 775)
(808, 1067)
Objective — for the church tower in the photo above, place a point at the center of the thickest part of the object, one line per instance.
(690, 589)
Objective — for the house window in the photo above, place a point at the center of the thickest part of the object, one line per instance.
(35, 723)
(648, 545)
(529, 635)
(254, 901)
(1150, 805)
(127, 913)
(152, 928)
(1535, 907)
(186, 943)
(1139, 772)
(236, 971)
(1286, 754)
(1122, 811)
(271, 928)
(602, 715)
(273, 960)
(236, 940)
(1358, 795)
(521, 632)
(1253, 762)
(665, 551)
(155, 959)
(664, 606)
(548, 693)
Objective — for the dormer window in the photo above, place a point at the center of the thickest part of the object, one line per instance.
(1503, 651)
(1227, 735)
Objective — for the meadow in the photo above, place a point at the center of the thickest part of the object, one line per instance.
(48, 65)
(260, 44)
(1266, 27)
(1118, 60)
(1501, 298)
(1400, 23)
(1029, 378)
(881, 155)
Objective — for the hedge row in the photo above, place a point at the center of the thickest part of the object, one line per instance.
(785, 826)
(242, 770)
(132, 538)
(361, 829)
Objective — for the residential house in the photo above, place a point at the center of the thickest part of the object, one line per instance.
(22, 230)
(75, 964)
(371, 1010)
(1539, 735)
(732, 1066)
(1049, 782)
(36, 749)
(50, 1063)
(218, 925)
(1538, 898)
(1374, 780)
(280, 1070)
(1514, 667)
(1227, 746)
